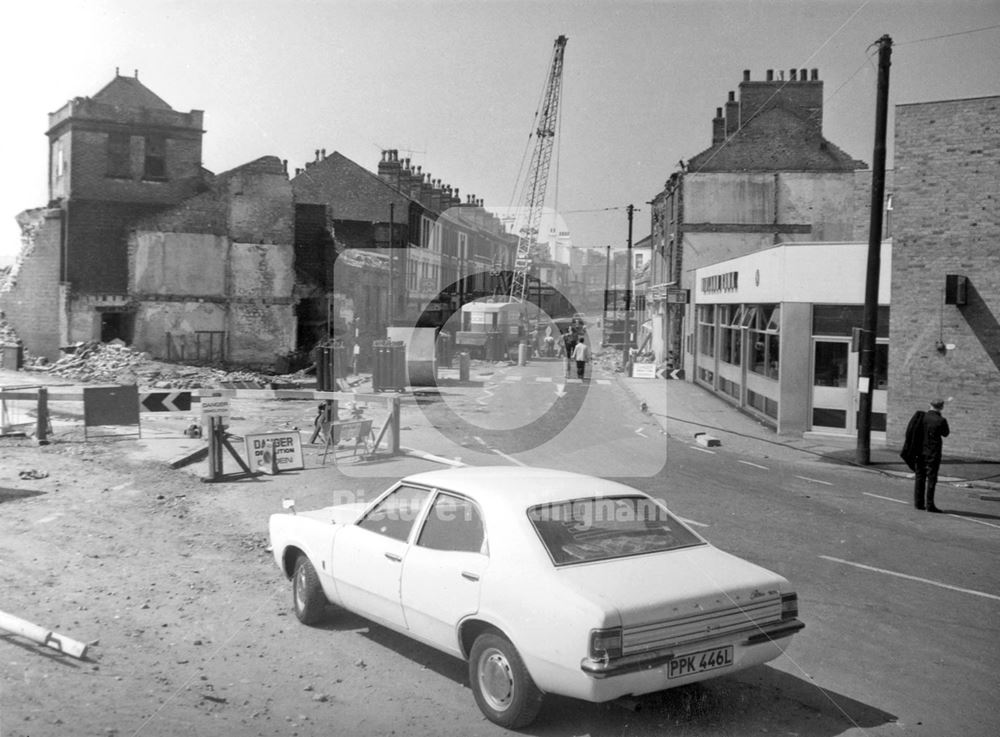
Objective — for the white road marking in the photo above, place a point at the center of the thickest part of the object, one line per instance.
(887, 498)
(755, 465)
(638, 431)
(815, 481)
(509, 458)
(912, 578)
(513, 378)
(701, 450)
(543, 378)
(687, 521)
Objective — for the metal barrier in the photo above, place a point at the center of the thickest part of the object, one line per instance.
(389, 366)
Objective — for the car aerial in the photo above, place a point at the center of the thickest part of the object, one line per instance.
(544, 581)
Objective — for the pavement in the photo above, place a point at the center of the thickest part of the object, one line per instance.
(685, 409)
(681, 408)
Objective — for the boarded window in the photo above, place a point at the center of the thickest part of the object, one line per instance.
(119, 160)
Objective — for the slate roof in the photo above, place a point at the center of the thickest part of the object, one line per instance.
(129, 92)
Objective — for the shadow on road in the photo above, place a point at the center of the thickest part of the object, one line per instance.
(758, 700)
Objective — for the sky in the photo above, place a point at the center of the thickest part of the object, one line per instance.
(455, 86)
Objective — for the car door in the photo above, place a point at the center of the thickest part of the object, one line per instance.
(368, 555)
(442, 570)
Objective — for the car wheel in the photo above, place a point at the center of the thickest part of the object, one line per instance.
(307, 594)
(502, 686)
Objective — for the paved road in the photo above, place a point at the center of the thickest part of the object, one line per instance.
(902, 608)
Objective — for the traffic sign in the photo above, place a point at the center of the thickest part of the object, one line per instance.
(165, 402)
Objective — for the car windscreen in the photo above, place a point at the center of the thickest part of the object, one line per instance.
(594, 529)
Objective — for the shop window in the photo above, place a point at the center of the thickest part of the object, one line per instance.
(731, 388)
(706, 375)
(763, 403)
(764, 339)
(119, 163)
(830, 367)
(730, 337)
(841, 319)
(156, 158)
(706, 330)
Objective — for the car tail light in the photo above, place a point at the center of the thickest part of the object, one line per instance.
(789, 606)
(606, 644)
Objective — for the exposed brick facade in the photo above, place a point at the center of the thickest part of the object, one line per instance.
(946, 213)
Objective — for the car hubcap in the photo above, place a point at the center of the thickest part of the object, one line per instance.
(496, 680)
(300, 583)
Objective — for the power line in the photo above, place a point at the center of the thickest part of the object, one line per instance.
(949, 35)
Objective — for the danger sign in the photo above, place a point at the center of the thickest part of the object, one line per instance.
(281, 450)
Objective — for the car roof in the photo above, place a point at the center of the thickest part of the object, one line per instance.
(519, 486)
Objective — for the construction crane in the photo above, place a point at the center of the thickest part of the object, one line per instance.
(538, 173)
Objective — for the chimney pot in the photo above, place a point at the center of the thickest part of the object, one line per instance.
(792, 75)
(804, 74)
(732, 96)
(770, 75)
(323, 152)
(815, 75)
(746, 75)
(718, 112)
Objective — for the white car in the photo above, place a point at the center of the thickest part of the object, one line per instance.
(544, 581)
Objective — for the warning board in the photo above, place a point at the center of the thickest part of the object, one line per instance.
(285, 448)
(214, 406)
(643, 370)
(165, 401)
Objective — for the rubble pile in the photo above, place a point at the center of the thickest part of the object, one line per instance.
(7, 334)
(115, 363)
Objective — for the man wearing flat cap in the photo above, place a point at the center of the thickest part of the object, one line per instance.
(930, 432)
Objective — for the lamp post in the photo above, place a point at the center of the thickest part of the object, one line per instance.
(628, 292)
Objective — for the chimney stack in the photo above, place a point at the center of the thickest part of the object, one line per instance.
(732, 114)
(718, 127)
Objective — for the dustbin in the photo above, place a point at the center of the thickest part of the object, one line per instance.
(388, 365)
(12, 356)
(331, 364)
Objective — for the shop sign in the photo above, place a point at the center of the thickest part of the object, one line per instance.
(726, 282)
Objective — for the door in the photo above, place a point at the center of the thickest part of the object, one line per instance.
(368, 555)
(835, 395)
(442, 571)
(834, 385)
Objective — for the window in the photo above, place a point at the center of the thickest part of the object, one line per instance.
(453, 523)
(394, 515)
(763, 323)
(585, 530)
(156, 158)
(730, 336)
(430, 234)
(119, 155)
(706, 330)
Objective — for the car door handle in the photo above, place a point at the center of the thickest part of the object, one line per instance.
(393, 557)
(470, 576)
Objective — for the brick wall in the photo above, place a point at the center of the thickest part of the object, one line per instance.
(31, 298)
(946, 220)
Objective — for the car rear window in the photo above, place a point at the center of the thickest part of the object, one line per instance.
(587, 530)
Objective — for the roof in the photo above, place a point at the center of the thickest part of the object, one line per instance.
(516, 487)
(129, 92)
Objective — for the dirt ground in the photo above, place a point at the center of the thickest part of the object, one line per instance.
(187, 617)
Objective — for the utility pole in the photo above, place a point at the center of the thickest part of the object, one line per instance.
(607, 286)
(628, 291)
(866, 384)
(392, 230)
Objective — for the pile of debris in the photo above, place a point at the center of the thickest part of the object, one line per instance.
(116, 363)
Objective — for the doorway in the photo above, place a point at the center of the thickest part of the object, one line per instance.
(835, 387)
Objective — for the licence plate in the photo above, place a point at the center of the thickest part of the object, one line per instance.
(701, 661)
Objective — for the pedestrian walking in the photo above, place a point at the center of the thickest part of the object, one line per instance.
(581, 352)
(355, 355)
(927, 431)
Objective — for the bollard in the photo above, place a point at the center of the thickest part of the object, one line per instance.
(522, 354)
(463, 366)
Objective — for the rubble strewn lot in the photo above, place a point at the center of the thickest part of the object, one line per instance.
(116, 363)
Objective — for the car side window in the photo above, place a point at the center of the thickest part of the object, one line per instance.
(394, 515)
(453, 523)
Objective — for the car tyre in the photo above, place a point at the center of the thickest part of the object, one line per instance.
(307, 594)
(503, 688)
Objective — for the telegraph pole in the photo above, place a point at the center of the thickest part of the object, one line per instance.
(607, 286)
(866, 384)
(392, 229)
(628, 290)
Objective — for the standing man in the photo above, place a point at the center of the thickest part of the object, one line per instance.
(933, 428)
(580, 354)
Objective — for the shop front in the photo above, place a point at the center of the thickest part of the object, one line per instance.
(772, 333)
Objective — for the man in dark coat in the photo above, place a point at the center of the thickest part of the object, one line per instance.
(932, 429)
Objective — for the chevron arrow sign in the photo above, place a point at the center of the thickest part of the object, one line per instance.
(165, 402)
